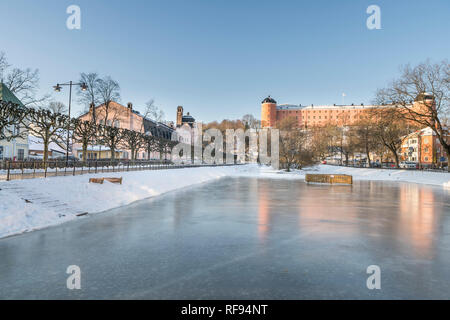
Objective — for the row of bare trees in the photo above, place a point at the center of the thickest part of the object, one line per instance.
(51, 124)
(378, 132)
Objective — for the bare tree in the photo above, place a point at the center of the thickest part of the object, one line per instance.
(250, 121)
(389, 130)
(84, 132)
(47, 124)
(22, 82)
(3, 65)
(111, 137)
(363, 132)
(11, 117)
(150, 144)
(293, 144)
(153, 112)
(133, 141)
(421, 95)
(91, 94)
(108, 90)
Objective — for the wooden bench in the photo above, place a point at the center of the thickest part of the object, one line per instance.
(329, 178)
(101, 180)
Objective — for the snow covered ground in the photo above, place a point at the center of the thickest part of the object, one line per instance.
(31, 204)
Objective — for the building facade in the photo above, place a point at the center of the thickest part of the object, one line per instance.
(313, 116)
(123, 117)
(424, 148)
(15, 148)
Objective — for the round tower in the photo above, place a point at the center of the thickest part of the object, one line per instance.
(268, 112)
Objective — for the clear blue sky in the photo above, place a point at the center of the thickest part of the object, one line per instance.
(218, 58)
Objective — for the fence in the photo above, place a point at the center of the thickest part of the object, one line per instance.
(329, 178)
(389, 167)
(19, 170)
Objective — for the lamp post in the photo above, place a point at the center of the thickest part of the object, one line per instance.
(58, 88)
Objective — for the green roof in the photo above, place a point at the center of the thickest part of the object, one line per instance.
(8, 96)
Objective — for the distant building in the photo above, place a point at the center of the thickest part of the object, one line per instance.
(184, 119)
(16, 148)
(424, 148)
(36, 149)
(124, 117)
(312, 115)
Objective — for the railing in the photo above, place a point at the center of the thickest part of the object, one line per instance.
(18, 170)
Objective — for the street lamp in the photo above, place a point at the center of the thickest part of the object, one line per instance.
(58, 88)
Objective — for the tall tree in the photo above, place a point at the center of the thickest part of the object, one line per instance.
(421, 95)
(91, 95)
(153, 112)
(108, 90)
(22, 82)
(389, 130)
(363, 132)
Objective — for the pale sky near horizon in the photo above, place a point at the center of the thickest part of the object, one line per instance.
(219, 59)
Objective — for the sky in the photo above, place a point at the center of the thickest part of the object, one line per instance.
(219, 59)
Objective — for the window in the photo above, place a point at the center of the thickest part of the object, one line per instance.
(1, 152)
(20, 154)
(108, 123)
(117, 124)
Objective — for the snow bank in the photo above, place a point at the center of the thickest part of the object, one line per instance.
(27, 205)
(31, 204)
(414, 176)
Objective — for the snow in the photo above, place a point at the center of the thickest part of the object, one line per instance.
(37, 144)
(31, 204)
(401, 175)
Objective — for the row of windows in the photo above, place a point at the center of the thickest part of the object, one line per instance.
(5, 154)
(109, 123)
(320, 111)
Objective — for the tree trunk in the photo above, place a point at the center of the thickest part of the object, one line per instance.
(368, 155)
(397, 163)
(45, 156)
(46, 143)
(85, 146)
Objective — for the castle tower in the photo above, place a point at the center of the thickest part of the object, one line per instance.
(268, 112)
(179, 116)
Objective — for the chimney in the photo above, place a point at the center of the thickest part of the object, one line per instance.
(130, 106)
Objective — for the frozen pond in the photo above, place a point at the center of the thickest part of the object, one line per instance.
(245, 238)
